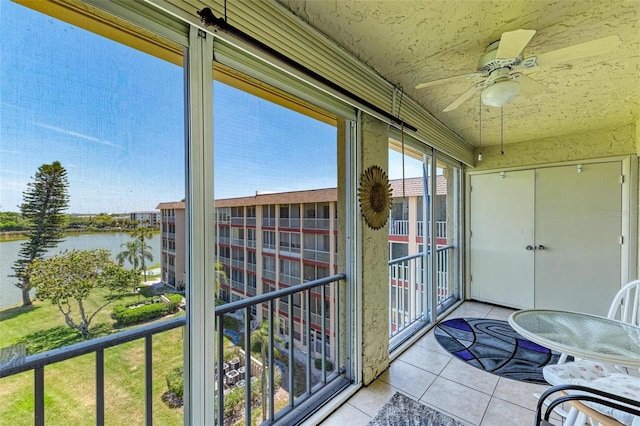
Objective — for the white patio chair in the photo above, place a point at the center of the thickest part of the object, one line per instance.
(582, 398)
(625, 307)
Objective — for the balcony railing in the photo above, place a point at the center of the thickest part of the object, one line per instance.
(237, 285)
(398, 227)
(407, 290)
(441, 229)
(311, 223)
(289, 279)
(269, 222)
(401, 227)
(38, 362)
(290, 223)
(304, 395)
(317, 255)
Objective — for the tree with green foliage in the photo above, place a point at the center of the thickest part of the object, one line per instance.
(42, 208)
(220, 277)
(143, 233)
(260, 337)
(102, 220)
(11, 221)
(69, 278)
(135, 252)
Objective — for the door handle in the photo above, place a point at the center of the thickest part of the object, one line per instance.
(529, 247)
(540, 247)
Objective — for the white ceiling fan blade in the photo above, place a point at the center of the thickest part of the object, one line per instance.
(528, 86)
(466, 95)
(512, 43)
(447, 79)
(581, 50)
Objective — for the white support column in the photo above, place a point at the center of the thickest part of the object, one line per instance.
(198, 340)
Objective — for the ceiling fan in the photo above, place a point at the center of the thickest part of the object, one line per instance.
(497, 67)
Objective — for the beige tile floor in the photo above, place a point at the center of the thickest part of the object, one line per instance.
(429, 374)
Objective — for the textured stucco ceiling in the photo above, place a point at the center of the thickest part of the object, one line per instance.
(409, 42)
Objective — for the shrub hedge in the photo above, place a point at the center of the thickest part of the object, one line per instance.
(174, 297)
(125, 315)
(175, 382)
(327, 363)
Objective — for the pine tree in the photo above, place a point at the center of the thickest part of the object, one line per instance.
(43, 204)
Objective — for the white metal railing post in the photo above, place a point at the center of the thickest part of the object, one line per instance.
(433, 245)
(406, 274)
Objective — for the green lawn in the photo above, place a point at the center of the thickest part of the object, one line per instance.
(70, 385)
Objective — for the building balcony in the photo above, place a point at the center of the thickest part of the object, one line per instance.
(429, 374)
(316, 223)
(401, 228)
(424, 371)
(237, 242)
(408, 295)
(317, 256)
(407, 316)
(289, 223)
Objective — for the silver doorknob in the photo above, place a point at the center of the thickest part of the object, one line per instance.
(529, 247)
(540, 247)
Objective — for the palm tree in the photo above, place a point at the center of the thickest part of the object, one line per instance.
(261, 336)
(130, 254)
(143, 233)
(136, 253)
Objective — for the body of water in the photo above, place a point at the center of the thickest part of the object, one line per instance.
(12, 295)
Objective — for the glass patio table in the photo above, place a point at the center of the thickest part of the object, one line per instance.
(581, 335)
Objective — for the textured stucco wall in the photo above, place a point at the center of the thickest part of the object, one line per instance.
(375, 257)
(574, 147)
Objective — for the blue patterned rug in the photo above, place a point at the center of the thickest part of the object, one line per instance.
(493, 346)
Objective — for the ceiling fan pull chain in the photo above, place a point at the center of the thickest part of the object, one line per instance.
(480, 125)
(402, 139)
(501, 131)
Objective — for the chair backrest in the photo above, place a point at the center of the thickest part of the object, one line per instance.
(577, 395)
(625, 306)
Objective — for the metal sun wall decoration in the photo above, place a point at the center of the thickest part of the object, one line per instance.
(375, 197)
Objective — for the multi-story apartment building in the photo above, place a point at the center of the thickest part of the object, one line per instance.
(149, 218)
(270, 241)
(173, 235)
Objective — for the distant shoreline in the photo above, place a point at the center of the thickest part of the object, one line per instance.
(19, 235)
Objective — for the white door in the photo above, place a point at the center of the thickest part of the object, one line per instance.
(501, 224)
(578, 221)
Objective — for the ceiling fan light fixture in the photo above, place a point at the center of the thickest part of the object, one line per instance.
(501, 93)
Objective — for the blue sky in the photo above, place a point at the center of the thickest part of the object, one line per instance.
(115, 121)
